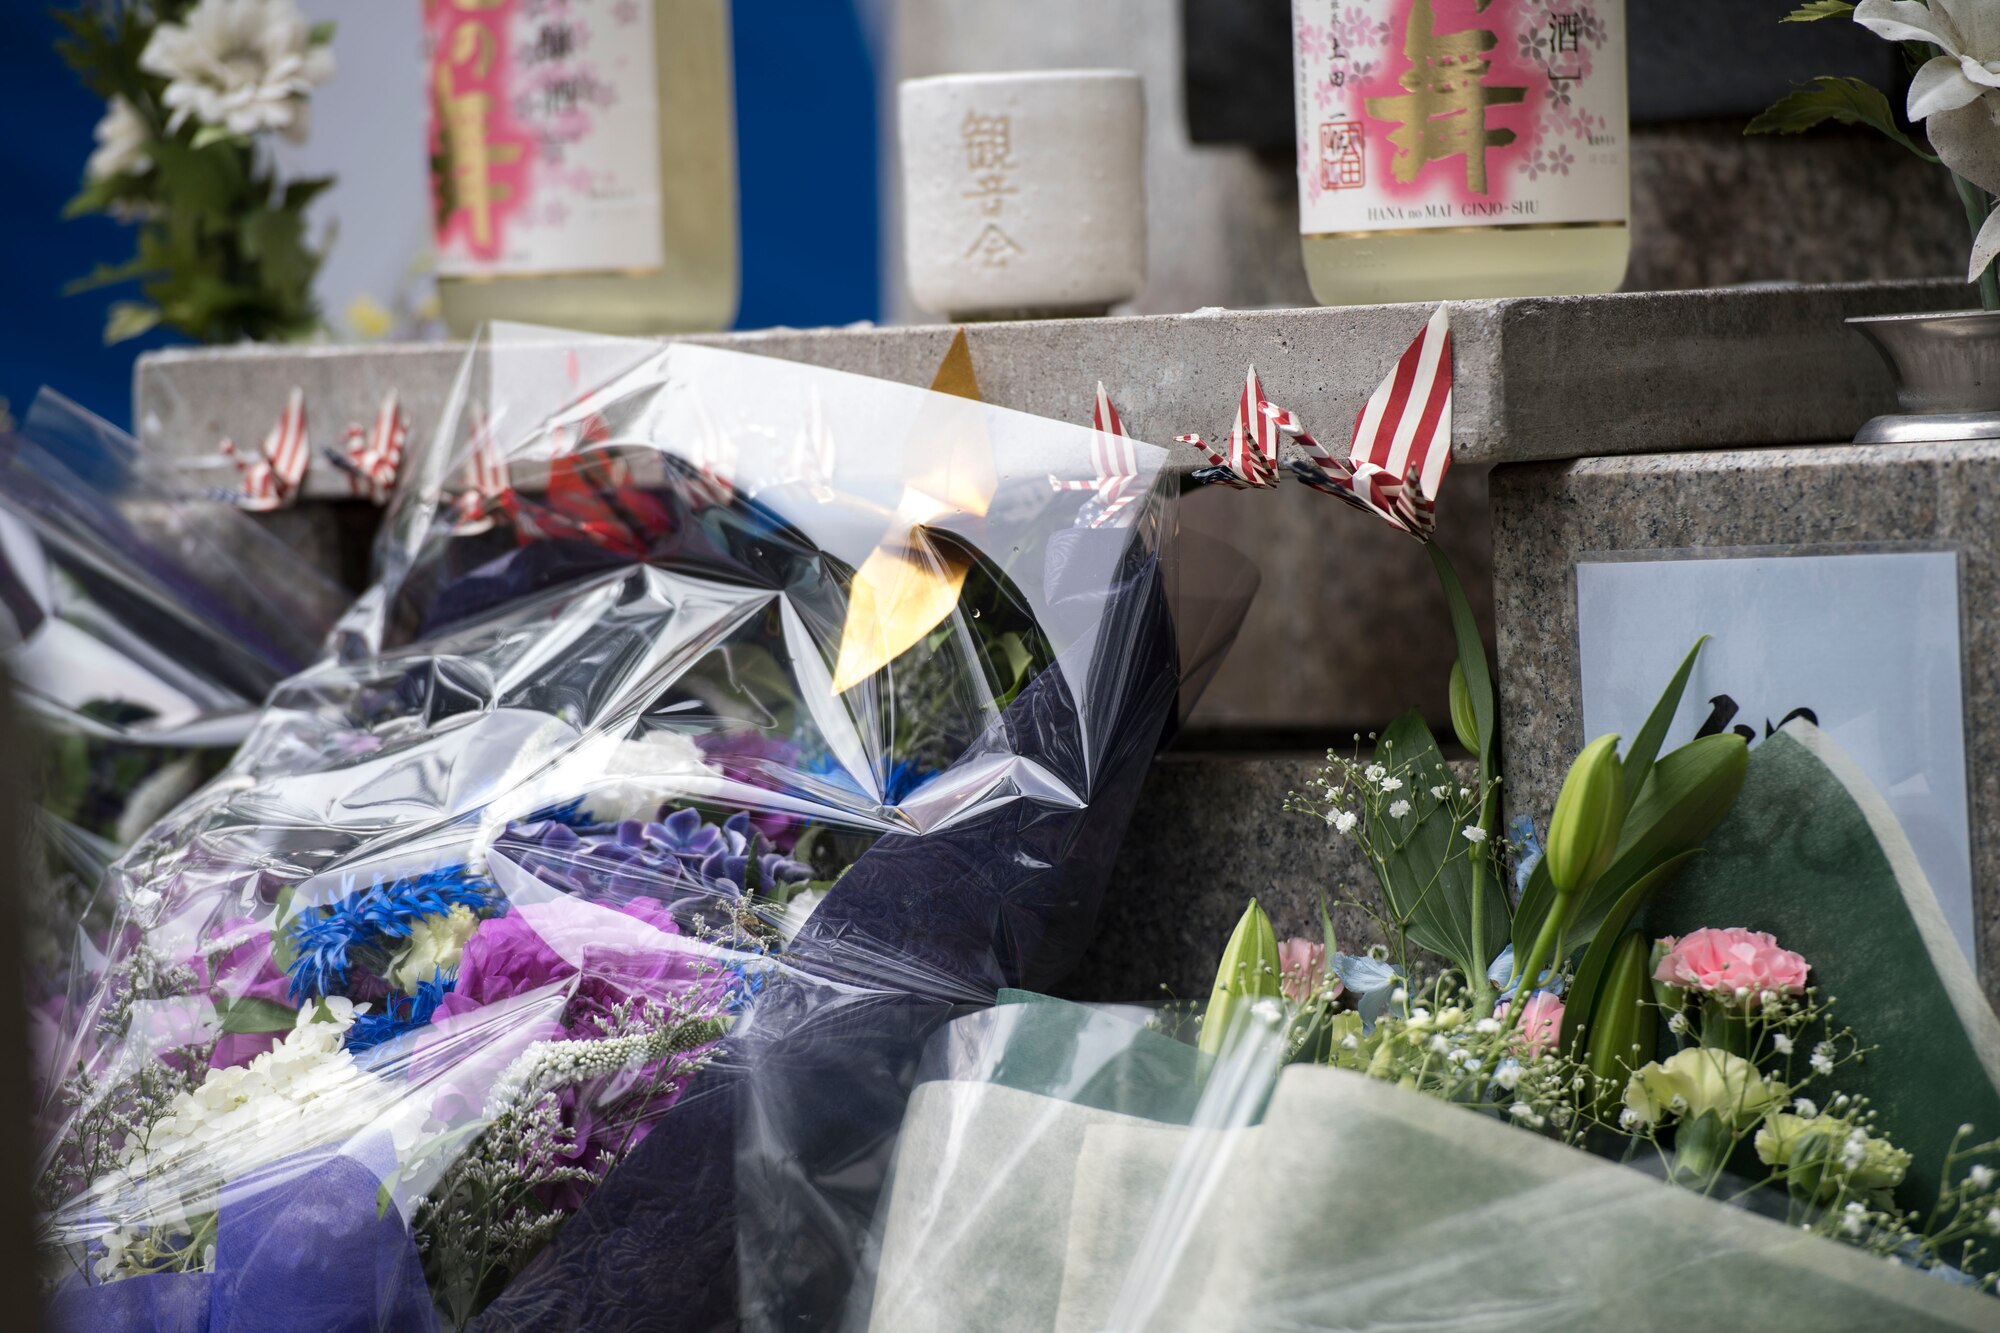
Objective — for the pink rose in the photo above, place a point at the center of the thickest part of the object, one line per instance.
(1302, 970)
(1724, 962)
(1541, 1023)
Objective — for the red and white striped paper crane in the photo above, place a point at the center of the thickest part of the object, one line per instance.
(1251, 459)
(485, 480)
(1114, 466)
(271, 478)
(1402, 438)
(371, 457)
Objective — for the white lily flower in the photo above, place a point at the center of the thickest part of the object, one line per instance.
(1953, 93)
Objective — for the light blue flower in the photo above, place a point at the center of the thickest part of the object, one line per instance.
(1528, 851)
(1501, 974)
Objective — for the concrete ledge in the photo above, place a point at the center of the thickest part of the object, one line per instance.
(1537, 378)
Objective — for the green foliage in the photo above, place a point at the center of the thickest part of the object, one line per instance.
(252, 1015)
(1464, 721)
(1645, 747)
(1589, 983)
(1689, 792)
(1819, 9)
(1673, 804)
(1621, 1039)
(1422, 857)
(221, 251)
(1843, 101)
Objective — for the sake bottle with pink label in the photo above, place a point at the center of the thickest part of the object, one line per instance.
(583, 163)
(1461, 148)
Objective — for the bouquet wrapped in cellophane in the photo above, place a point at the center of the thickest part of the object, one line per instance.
(557, 951)
(1697, 1049)
(142, 623)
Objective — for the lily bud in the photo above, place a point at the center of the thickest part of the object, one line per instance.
(1590, 814)
(1250, 970)
(1464, 723)
(1619, 1039)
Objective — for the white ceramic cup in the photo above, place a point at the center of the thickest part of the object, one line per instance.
(1024, 194)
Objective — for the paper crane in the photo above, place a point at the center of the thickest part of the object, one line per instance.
(371, 457)
(1402, 438)
(1114, 465)
(271, 479)
(1252, 457)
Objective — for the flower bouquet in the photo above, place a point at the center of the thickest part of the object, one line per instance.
(1359, 1141)
(1417, 1134)
(139, 643)
(194, 91)
(557, 951)
(1950, 48)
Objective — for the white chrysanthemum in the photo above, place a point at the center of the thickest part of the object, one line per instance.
(122, 136)
(243, 65)
(304, 1091)
(653, 768)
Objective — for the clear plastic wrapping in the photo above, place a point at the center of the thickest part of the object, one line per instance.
(142, 625)
(718, 729)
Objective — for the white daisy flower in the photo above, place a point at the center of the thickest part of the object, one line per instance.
(242, 65)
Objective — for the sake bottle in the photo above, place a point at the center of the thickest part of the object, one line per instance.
(583, 163)
(1461, 148)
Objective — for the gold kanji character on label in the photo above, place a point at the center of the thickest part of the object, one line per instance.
(1442, 113)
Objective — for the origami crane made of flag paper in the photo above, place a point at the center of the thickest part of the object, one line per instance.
(271, 478)
(1402, 438)
(1114, 466)
(1250, 460)
(371, 457)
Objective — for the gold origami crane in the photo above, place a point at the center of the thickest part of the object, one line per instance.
(910, 582)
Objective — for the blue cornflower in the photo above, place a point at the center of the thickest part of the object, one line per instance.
(399, 1014)
(373, 919)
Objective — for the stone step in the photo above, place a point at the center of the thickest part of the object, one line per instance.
(1551, 377)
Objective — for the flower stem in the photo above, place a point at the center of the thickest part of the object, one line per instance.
(1977, 206)
(1544, 947)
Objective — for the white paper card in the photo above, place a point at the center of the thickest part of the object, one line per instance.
(1867, 643)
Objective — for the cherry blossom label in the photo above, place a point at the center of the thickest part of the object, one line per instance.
(544, 137)
(1456, 113)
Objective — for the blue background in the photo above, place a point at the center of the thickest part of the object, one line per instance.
(805, 111)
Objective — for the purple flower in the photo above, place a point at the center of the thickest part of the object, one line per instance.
(625, 951)
(677, 857)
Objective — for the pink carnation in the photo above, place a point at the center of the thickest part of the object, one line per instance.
(1722, 962)
(1541, 1023)
(1302, 969)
